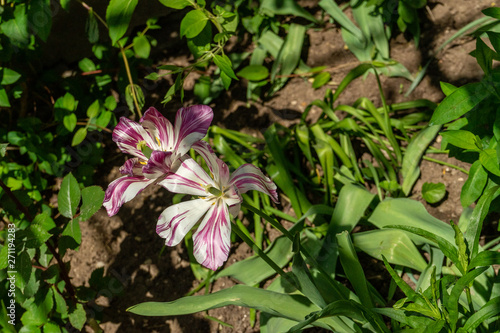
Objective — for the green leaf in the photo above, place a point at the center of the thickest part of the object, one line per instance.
(321, 79)
(4, 98)
(474, 185)
(78, 317)
(118, 15)
(433, 192)
(73, 230)
(485, 258)
(447, 88)
(69, 121)
(224, 63)
(23, 267)
(461, 139)
(87, 65)
(193, 23)
(40, 18)
(3, 149)
(176, 4)
(410, 168)
(489, 160)
(484, 56)
(129, 98)
(254, 73)
(16, 29)
(286, 7)
(487, 311)
(92, 28)
(395, 245)
(462, 248)
(68, 197)
(353, 74)
(199, 45)
(142, 48)
(79, 136)
(475, 224)
(459, 103)
(8, 76)
(336, 13)
(93, 109)
(92, 198)
(289, 53)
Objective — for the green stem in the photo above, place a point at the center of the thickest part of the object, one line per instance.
(446, 164)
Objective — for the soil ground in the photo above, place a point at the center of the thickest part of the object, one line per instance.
(127, 246)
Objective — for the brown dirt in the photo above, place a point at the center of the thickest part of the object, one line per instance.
(127, 246)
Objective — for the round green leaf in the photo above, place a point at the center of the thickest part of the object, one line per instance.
(93, 109)
(254, 73)
(142, 47)
(433, 192)
(193, 23)
(69, 122)
(79, 136)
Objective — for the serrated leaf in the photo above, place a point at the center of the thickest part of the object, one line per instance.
(92, 198)
(254, 73)
(433, 192)
(68, 197)
(193, 23)
(118, 15)
(69, 121)
(78, 317)
(73, 230)
(79, 136)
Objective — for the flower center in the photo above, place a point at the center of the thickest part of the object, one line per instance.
(215, 191)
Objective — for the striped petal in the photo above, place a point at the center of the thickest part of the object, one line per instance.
(160, 128)
(248, 177)
(122, 190)
(212, 240)
(127, 134)
(204, 149)
(158, 164)
(189, 178)
(191, 125)
(131, 167)
(176, 221)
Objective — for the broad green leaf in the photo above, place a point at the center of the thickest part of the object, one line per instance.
(411, 160)
(353, 269)
(142, 48)
(487, 311)
(395, 245)
(294, 307)
(489, 160)
(254, 73)
(447, 88)
(224, 63)
(87, 65)
(23, 267)
(459, 103)
(40, 18)
(16, 29)
(458, 289)
(78, 317)
(199, 45)
(321, 79)
(79, 136)
(289, 54)
(485, 258)
(193, 23)
(93, 109)
(68, 197)
(118, 15)
(176, 4)
(411, 213)
(92, 28)
(92, 198)
(476, 220)
(474, 185)
(336, 13)
(8, 76)
(493, 12)
(433, 192)
(372, 27)
(69, 121)
(73, 231)
(286, 7)
(4, 98)
(37, 236)
(484, 56)
(461, 139)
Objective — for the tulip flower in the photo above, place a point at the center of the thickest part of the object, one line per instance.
(158, 148)
(218, 197)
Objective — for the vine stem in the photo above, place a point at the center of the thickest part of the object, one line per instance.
(60, 263)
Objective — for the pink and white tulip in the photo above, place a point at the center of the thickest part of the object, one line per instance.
(218, 196)
(158, 148)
